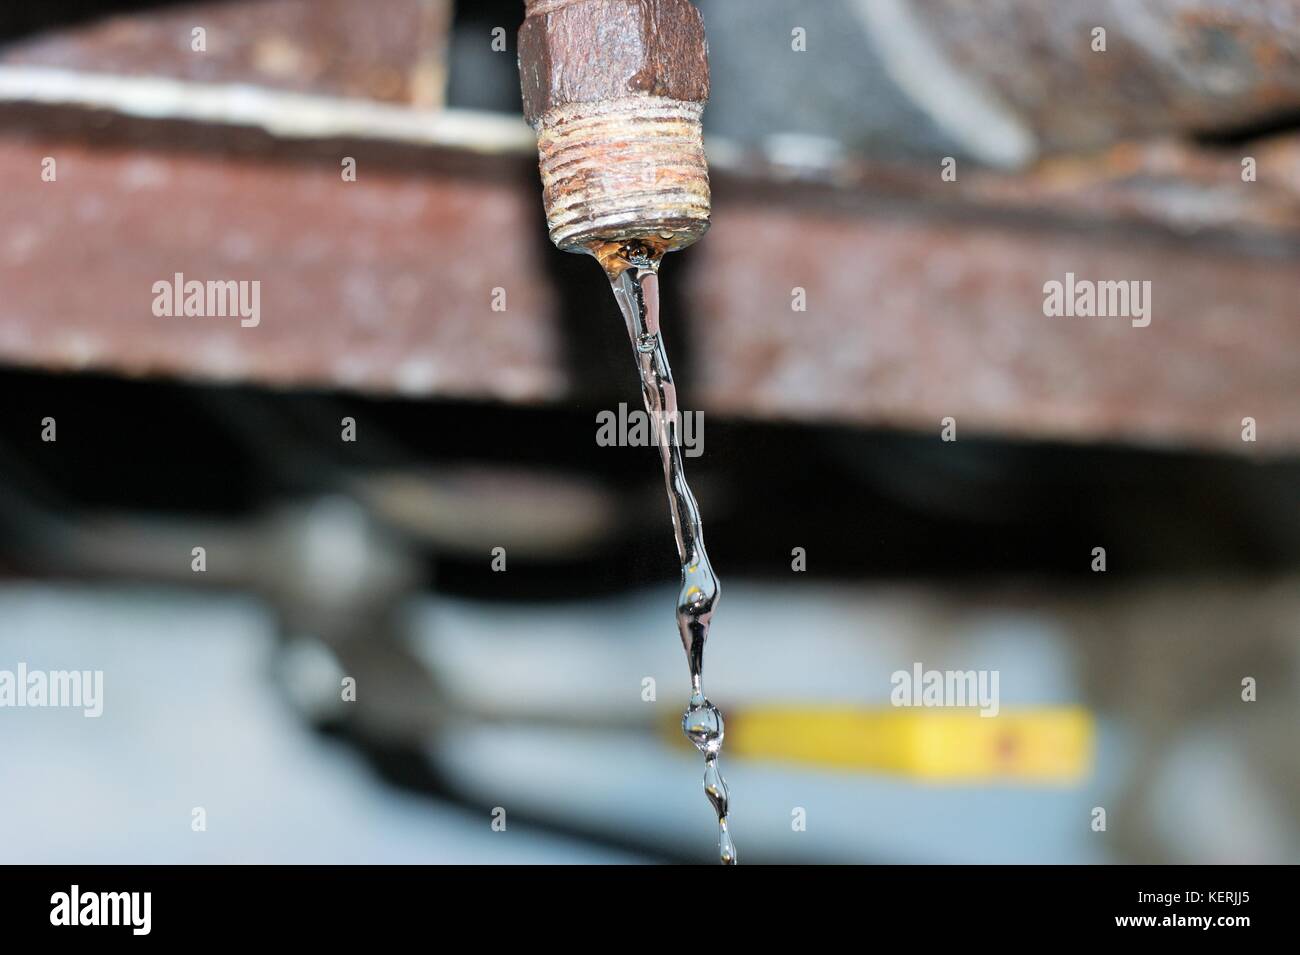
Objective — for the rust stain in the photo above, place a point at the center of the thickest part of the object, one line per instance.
(384, 284)
(913, 320)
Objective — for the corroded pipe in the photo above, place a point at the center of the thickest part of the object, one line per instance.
(615, 90)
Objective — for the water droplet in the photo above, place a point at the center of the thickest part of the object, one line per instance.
(726, 848)
(703, 726)
(715, 787)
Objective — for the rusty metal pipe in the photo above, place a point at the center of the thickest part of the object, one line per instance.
(615, 90)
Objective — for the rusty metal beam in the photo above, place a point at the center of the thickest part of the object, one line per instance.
(924, 297)
(916, 310)
(911, 319)
(385, 283)
(391, 51)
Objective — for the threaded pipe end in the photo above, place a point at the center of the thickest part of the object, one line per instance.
(621, 169)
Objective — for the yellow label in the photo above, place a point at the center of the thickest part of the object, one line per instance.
(1050, 745)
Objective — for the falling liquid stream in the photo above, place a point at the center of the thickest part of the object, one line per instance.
(633, 271)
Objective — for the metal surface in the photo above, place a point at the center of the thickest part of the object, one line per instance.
(911, 320)
(390, 51)
(924, 297)
(368, 295)
(1012, 78)
(615, 90)
(901, 299)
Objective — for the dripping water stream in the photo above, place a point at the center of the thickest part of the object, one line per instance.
(633, 271)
